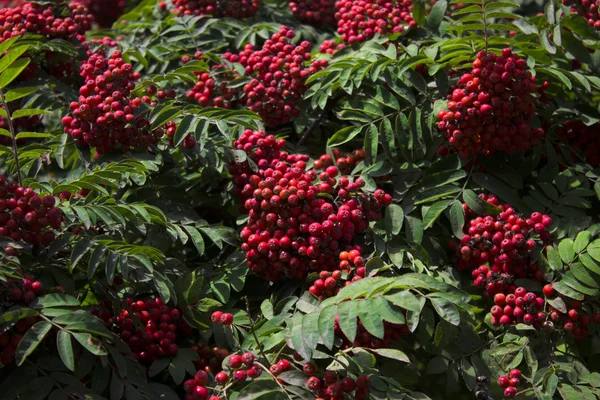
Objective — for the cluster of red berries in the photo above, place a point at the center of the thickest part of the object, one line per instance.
(156, 337)
(319, 13)
(519, 306)
(278, 76)
(492, 108)
(211, 359)
(588, 9)
(351, 269)
(333, 386)
(43, 20)
(497, 249)
(239, 9)
(510, 383)
(360, 20)
(104, 115)
(329, 47)
(213, 90)
(219, 317)
(392, 332)
(22, 291)
(576, 320)
(344, 163)
(17, 292)
(26, 216)
(105, 12)
(294, 226)
(582, 137)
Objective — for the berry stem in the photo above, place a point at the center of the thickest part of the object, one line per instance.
(13, 135)
(258, 342)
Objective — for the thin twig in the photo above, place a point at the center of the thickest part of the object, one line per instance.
(268, 371)
(13, 135)
(312, 126)
(258, 343)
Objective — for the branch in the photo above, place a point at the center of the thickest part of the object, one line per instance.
(13, 135)
(258, 343)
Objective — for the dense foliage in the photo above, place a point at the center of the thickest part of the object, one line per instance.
(307, 199)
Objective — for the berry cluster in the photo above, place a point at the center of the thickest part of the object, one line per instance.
(25, 216)
(518, 307)
(360, 20)
(497, 249)
(319, 13)
(492, 108)
(156, 337)
(280, 367)
(211, 359)
(329, 47)
(588, 9)
(219, 317)
(351, 269)
(278, 75)
(104, 115)
(510, 383)
(239, 9)
(392, 332)
(333, 386)
(295, 225)
(344, 163)
(105, 12)
(22, 291)
(584, 138)
(576, 320)
(213, 90)
(44, 20)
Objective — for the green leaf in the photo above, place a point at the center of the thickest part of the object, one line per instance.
(186, 126)
(565, 249)
(419, 12)
(82, 247)
(414, 230)
(371, 144)
(436, 15)
(344, 135)
(370, 320)
(394, 218)
(554, 259)
(457, 219)
(196, 237)
(56, 300)
(479, 205)
(310, 330)
(90, 343)
(581, 241)
(392, 354)
(18, 314)
(165, 115)
(326, 325)
(387, 312)
(32, 338)
(407, 301)
(65, 349)
(582, 275)
(347, 313)
(29, 112)
(445, 309)
(434, 213)
(13, 71)
(565, 290)
(262, 390)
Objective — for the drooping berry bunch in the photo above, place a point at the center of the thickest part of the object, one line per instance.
(360, 20)
(577, 318)
(584, 138)
(510, 383)
(239, 9)
(588, 9)
(213, 90)
(329, 47)
(497, 250)
(105, 12)
(104, 115)
(351, 269)
(319, 13)
(295, 224)
(219, 317)
(519, 306)
(25, 216)
(331, 385)
(46, 21)
(492, 108)
(278, 74)
(21, 291)
(158, 334)
(211, 359)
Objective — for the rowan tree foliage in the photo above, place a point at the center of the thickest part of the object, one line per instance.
(308, 199)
